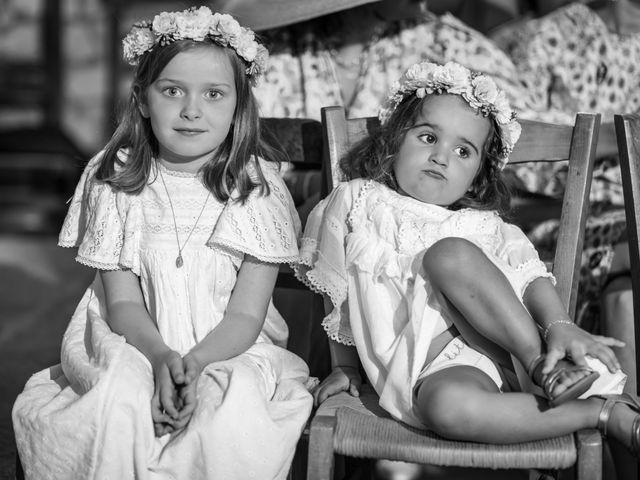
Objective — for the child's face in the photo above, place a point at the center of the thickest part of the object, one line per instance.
(191, 106)
(442, 153)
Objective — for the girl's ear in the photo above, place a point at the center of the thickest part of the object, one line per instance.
(142, 105)
(144, 109)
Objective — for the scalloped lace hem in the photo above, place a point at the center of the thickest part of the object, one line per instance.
(535, 266)
(100, 265)
(528, 281)
(319, 282)
(332, 328)
(234, 250)
(67, 244)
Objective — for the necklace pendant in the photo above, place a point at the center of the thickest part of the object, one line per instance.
(179, 261)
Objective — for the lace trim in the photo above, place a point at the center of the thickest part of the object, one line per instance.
(230, 249)
(67, 244)
(98, 265)
(332, 328)
(306, 270)
(534, 265)
(359, 201)
(176, 173)
(317, 281)
(531, 264)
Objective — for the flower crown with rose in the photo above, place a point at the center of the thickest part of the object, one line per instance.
(478, 90)
(196, 24)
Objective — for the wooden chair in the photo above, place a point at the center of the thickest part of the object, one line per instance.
(628, 134)
(358, 427)
(301, 141)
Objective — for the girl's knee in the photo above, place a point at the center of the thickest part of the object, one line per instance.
(451, 408)
(450, 255)
(443, 409)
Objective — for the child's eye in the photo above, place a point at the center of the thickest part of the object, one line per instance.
(213, 94)
(172, 91)
(427, 138)
(462, 152)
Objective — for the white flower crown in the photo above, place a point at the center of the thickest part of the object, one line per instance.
(196, 24)
(478, 90)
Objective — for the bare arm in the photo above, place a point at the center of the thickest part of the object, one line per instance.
(244, 317)
(345, 369)
(127, 315)
(341, 355)
(543, 303)
(563, 337)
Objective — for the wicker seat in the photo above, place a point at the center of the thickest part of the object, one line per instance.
(358, 427)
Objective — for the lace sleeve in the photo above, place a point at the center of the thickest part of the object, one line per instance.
(265, 226)
(322, 265)
(102, 224)
(517, 250)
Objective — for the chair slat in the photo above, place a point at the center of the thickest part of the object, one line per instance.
(575, 207)
(555, 147)
(628, 135)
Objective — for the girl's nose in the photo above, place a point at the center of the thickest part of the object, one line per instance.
(439, 157)
(191, 110)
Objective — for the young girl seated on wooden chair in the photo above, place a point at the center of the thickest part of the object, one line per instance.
(173, 365)
(441, 297)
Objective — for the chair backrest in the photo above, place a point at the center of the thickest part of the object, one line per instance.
(628, 134)
(539, 142)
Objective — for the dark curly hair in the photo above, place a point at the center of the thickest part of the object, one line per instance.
(373, 158)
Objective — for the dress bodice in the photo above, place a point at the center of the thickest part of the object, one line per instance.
(114, 230)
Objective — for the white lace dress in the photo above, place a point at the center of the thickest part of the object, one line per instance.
(90, 418)
(363, 247)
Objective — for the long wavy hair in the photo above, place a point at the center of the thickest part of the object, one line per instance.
(226, 171)
(374, 156)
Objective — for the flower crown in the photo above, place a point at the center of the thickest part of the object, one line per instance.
(478, 90)
(195, 24)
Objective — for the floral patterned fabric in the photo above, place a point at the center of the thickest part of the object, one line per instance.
(301, 77)
(569, 62)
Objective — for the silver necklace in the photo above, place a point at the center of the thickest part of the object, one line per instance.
(179, 260)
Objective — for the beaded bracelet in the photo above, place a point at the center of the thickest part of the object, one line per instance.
(555, 322)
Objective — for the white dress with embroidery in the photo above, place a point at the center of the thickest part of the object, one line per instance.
(90, 417)
(363, 247)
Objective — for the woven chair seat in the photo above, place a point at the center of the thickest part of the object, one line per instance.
(361, 424)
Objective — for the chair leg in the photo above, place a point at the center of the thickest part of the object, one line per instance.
(320, 462)
(589, 446)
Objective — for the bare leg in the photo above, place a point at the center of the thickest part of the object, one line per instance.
(492, 317)
(463, 403)
(483, 296)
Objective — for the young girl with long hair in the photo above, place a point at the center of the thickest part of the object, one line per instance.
(173, 364)
(436, 295)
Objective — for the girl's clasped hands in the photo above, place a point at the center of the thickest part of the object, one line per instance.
(174, 399)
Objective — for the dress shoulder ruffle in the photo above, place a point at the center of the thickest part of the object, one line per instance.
(322, 265)
(264, 226)
(102, 223)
